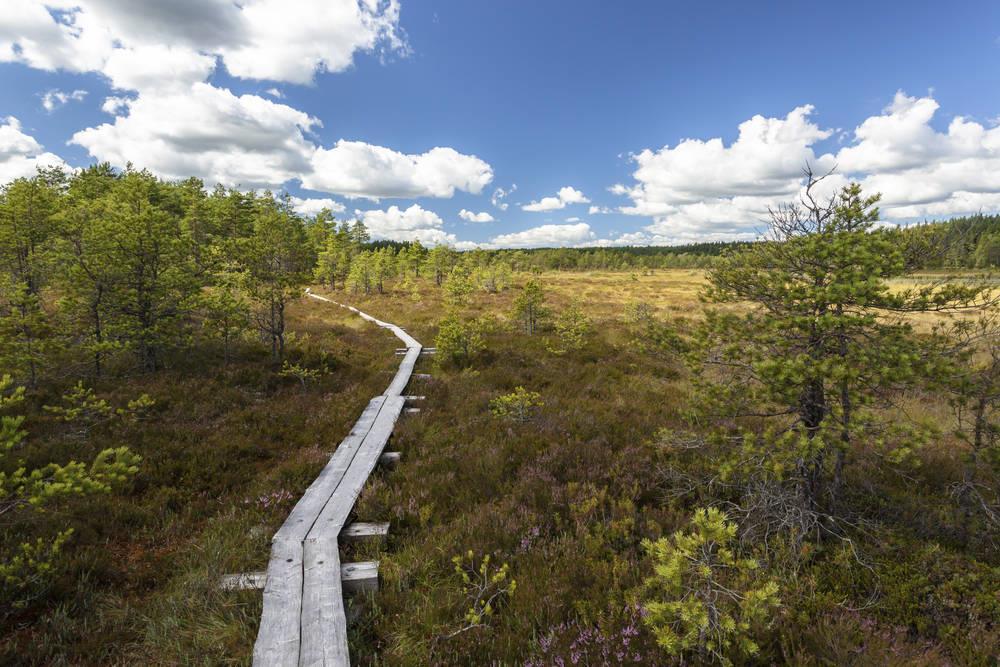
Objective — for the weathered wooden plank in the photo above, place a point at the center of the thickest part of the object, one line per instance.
(360, 531)
(304, 514)
(323, 616)
(335, 514)
(402, 378)
(323, 619)
(359, 577)
(412, 411)
(414, 398)
(278, 638)
(304, 620)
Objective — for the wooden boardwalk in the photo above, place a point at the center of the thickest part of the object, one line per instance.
(304, 621)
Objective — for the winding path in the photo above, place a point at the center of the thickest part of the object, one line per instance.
(304, 622)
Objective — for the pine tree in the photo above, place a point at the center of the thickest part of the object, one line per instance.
(416, 256)
(155, 277)
(818, 346)
(28, 225)
(440, 261)
(383, 267)
(359, 235)
(529, 306)
(334, 262)
(362, 270)
(975, 398)
(86, 277)
(277, 263)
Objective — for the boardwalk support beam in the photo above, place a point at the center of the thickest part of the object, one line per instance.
(361, 532)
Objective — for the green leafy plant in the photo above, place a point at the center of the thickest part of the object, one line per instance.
(25, 492)
(226, 315)
(300, 373)
(459, 341)
(519, 406)
(82, 408)
(484, 586)
(529, 307)
(493, 277)
(458, 287)
(702, 598)
(572, 326)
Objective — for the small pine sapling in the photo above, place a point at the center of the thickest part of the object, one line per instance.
(572, 327)
(484, 586)
(702, 599)
(519, 406)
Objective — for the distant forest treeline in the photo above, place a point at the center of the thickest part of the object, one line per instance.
(967, 242)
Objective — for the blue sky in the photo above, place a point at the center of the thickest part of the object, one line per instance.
(590, 98)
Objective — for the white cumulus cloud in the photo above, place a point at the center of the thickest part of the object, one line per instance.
(206, 132)
(469, 216)
(410, 224)
(545, 235)
(172, 121)
(20, 153)
(155, 67)
(706, 190)
(276, 40)
(312, 206)
(358, 169)
(53, 99)
(920, 171)
(566, 195)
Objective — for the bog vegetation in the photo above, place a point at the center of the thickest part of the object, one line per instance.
(767, 453)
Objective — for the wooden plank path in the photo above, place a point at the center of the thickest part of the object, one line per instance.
(304, 621)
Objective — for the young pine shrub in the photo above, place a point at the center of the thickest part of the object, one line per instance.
(27, 568)
(974, 396)
(572, 326)
(485, 586)
(226, 316)
(518, 406)
(84, 410)
(702, 599)
(492, 278)
(459, 341)
(301, 373)
(457, 287)
(529, 307)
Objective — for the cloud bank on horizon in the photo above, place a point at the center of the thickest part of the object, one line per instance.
(169, 113)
